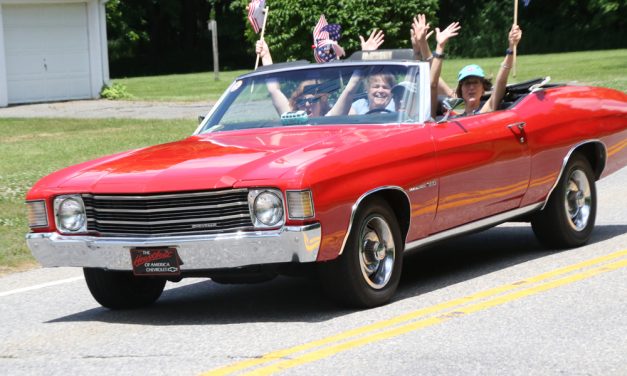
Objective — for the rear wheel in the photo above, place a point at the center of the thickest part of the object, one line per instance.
(568, 218)
(122, 290)
(368, 272)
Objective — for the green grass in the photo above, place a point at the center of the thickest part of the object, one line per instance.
(599, 68)
(179, 87)
(33, 148)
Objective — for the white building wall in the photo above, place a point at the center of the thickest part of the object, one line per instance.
(97, 44)
(104, 47)
(4, 98)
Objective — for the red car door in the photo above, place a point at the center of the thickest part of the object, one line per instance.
(484, 167)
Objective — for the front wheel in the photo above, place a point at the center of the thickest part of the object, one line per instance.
(367, 273)
(568, 219)
(122, 290)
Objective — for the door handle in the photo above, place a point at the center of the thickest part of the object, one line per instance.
(520, 125)
(521, 131)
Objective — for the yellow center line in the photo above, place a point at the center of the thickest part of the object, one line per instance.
(413, 326)
(360, 331)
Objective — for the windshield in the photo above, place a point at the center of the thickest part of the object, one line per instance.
(355, 94)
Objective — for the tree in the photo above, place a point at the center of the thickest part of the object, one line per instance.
(548, 26)
(290, 23)
(170, 36)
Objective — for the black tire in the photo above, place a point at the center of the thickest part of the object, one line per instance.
(568, 219)
(346, 279)
(122, 290)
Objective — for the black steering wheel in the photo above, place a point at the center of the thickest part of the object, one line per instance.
(378, 110)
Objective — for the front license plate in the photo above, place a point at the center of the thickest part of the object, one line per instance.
(155, 261)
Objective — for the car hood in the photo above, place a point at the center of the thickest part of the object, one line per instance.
(218, 160)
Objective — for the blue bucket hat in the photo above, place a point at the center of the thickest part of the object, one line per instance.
(470, 70)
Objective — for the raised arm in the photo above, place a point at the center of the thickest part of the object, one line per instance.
(343, 104)
(279, 100)
(442, 38)
(375, 40)
(498, 91)
(419, 35)
(419, 41)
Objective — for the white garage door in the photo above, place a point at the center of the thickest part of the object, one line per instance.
(47, 52)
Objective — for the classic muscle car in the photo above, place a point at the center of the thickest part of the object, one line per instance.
(260, 190)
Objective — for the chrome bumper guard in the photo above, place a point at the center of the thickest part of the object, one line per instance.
(197, 252)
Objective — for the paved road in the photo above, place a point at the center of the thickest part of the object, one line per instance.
(491, 303)
(102, 108)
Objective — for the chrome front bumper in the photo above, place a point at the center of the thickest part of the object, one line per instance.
(198, 252)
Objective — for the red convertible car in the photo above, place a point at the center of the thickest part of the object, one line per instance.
(296, 169)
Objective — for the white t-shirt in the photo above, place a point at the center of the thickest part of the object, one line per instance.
(361, 107)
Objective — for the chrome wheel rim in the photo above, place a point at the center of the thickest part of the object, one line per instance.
(376, 252)
(578, 200)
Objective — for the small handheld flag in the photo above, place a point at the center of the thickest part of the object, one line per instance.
(326, 47)
(256, 14)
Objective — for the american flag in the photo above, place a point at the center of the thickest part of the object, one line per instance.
(318, 33)
(255, 14)
(325, 41)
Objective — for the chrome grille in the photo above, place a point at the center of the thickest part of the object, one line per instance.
(168, 214)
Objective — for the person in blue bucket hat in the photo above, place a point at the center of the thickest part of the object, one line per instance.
(472, 82)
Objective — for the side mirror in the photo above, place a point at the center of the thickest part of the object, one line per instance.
(449, 105)
(201, 118)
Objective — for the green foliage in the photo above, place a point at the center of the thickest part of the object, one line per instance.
(290, 23)
(123, 29)
(548, 26)
(582, 25)
(115, 91)
(154, 37)
(148, 37)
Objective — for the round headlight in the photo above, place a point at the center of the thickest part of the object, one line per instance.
(268, 208)
(71, 215)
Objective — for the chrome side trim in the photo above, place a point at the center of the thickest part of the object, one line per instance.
(358, 202)
(565, 161)
(198, 252)
(470, 227)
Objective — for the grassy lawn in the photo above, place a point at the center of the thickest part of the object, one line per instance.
(179, 87)
(32, 148)
(599, 68)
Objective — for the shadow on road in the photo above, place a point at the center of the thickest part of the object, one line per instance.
(302, 300)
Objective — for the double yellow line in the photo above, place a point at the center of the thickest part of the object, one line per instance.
(312, 351)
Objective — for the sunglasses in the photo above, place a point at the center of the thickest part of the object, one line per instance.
(303, 100)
